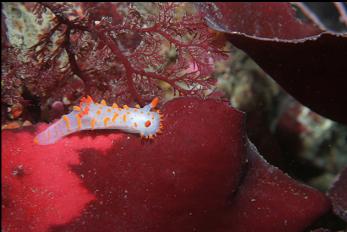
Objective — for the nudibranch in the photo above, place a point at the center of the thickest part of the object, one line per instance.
(90, 115)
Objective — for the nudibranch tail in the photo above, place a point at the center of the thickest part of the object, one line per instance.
(90, 115)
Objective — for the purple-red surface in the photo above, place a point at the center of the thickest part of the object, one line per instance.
(201, 174)
(306, 62)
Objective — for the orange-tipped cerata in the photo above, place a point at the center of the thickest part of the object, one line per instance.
(154, 102)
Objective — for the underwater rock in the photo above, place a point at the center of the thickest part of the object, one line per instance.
(201, 174)
(338, 195)
(321, 230)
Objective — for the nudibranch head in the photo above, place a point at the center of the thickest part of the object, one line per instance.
(149, 123)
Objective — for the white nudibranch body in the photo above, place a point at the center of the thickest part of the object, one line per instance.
(90, 115)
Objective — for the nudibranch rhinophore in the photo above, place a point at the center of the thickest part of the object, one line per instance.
(90, 115)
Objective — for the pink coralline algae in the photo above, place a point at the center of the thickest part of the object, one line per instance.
(120, 52)
(201, 174)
